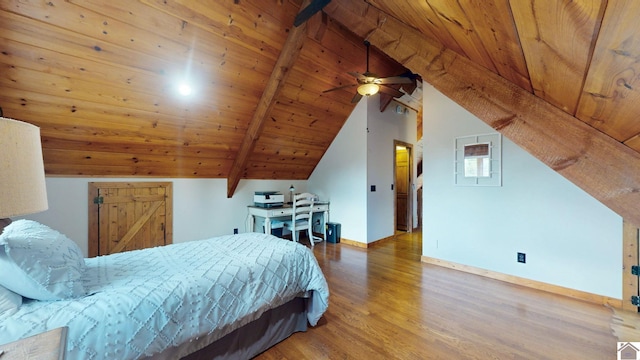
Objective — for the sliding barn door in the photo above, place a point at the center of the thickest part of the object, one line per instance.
(129, 216)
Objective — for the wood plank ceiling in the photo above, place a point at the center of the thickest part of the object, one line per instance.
(558, 77)
(100, 79)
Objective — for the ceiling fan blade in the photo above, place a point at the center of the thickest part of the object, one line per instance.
(309, 11)
(394, 80)
(339, 87)
(357, 75)
(356, 98)
(391, 91)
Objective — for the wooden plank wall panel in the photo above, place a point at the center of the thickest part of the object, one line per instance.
(218, 18)
(338, 41)
(328, 68)
(128, 214)
(111, 220)
(455, 20)
(82, 20)
(78, 114)
(613, 77)
(133, 88)
(557, 43)
(301, 160)
(305, 124)
(140, 167)
(88, 138)
(45, 79)
(61, 86)
(87, 147)
(295, 102)
(143, 236)
(634, 143)
(423, 17)
(144, 132)
(154, 39)
(265, 171)
(265, 151)
(124, 98)
(124, 214)
(40, 35)
(138, 132)
(304, 141)
(495, 27)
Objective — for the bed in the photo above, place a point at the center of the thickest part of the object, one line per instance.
(225, 297)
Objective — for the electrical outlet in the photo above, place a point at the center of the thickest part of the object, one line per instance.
(522, 257)
(373, 188)
(235, 231)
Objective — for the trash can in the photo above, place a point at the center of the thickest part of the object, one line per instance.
(333, 232)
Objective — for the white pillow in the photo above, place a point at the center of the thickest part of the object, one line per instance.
(40, 263)
(10, 302)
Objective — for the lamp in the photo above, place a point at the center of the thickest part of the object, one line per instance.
(368, 89)
(22, 186)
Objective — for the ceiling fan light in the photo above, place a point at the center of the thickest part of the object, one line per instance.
(368, 89)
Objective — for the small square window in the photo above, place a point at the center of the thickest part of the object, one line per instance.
(477, 160)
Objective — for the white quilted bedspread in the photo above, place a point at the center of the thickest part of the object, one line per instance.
(142, 302)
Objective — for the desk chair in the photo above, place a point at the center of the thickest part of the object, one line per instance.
(302, 215)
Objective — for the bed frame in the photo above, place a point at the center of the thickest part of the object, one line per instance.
(251, 339)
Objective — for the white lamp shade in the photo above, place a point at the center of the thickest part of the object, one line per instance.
(22, 186)
(368, 89)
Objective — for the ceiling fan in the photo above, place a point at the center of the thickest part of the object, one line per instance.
(369, 83)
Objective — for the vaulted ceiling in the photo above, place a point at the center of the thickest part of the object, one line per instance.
(558, 77)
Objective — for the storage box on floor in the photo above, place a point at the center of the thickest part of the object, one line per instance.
(277, 228)
(333, 232)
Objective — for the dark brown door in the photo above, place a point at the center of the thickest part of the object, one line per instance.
(129, 216)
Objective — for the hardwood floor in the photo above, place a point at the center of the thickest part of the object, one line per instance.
(386, 304)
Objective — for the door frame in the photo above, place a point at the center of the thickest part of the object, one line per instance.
(409, 147)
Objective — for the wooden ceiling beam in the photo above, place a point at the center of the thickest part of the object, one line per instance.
(597, 163)
(317, 26)
(287, 58)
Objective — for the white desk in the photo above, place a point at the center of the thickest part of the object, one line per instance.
(285, 211)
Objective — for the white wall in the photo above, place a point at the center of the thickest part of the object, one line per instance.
(341, 176)
(201, 208)
(360, 156)
(570, 238)
(383, 128)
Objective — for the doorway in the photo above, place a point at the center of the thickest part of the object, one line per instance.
(402, 155)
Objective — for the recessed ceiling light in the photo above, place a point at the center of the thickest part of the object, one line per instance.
(184, 89)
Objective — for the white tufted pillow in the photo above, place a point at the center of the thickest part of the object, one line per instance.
(40, 263)
(10, 302)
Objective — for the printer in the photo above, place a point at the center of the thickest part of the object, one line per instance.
(268, 199)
